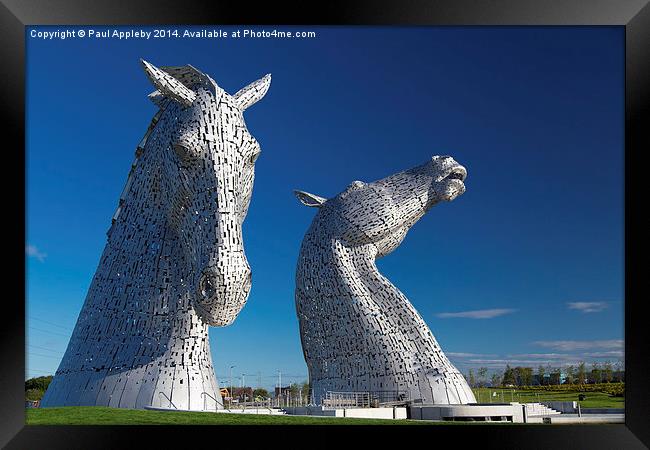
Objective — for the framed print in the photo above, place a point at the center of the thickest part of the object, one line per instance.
(405, 214)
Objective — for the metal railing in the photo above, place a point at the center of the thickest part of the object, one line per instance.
(347, 400)
(169, 399)
(205, 395)
(264, 404)
(369, 399)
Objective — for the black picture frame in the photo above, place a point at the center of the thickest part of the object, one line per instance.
(634, 15)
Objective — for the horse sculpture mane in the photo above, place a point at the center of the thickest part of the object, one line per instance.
(174, 262)
(359, 333)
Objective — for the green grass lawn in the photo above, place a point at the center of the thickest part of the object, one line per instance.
(95, 415)
(592, 400)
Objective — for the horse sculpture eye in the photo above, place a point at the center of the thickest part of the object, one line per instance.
(182, 152)
(254, 157)
(180, 149)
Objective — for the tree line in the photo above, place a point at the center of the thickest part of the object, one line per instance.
(605, 372)
(35, 387)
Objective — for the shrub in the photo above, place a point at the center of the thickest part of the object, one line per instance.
(34, 394)
(38, 383)
(35, 387)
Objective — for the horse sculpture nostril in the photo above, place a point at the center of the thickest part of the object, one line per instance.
(213, 284)
(208, 288)
(209, 283)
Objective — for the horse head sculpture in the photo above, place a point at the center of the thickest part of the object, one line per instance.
(203, 157)
(174, 262)
(358, 331)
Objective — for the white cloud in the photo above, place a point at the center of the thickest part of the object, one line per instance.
(466, 355)
(507, 361)
(568, 346)
(612, 354)
(32, 251)
(499, 362)
(587, 307)
(478, 314)
(542, 355)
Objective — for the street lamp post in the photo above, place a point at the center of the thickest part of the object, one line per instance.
(230, 402)
(243, 385)
(279, 388)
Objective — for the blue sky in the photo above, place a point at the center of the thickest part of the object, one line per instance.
(526, 267)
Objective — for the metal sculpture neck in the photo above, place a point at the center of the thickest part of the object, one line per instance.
(138, 153)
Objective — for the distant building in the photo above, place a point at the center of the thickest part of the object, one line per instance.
(282, 392)
(242, 393)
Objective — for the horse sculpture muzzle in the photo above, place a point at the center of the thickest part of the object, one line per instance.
(222, 290)
(450, 177)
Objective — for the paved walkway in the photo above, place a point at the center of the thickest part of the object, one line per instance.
(586, 418)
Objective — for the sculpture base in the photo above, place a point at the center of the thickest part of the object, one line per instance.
(490, 412)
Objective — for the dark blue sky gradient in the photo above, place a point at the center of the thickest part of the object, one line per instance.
(535, 114)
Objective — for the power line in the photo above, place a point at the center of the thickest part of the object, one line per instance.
(45, 348)
(265, 376)
(48, 331)
(289, 376)
(49, 372)
(45, 356)
(49, 323)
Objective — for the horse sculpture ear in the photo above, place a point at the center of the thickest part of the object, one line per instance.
(168, 86)
(308, 199)
(253, 93)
